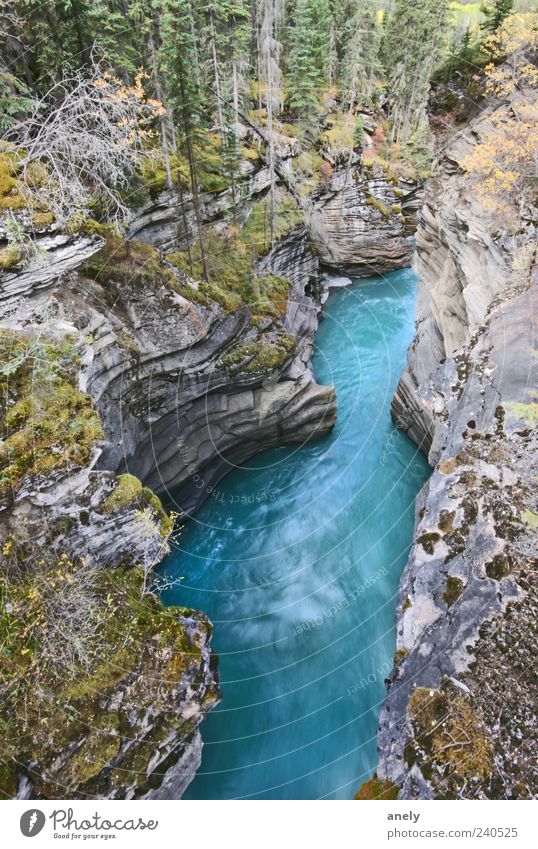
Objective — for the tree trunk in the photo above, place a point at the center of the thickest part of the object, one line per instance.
(192, 164)
(220, 116)
(158, 93)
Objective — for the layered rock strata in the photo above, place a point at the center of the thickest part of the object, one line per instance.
(459, 715)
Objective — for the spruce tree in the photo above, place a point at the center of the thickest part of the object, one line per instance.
(495, 12)
(178, 50)
(309, 54)
(302, 71)
(342, 15)
(415, 35)
(360, 61)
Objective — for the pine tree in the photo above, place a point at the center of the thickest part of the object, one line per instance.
(495, 12)
(302, 71)
(309, 61)
(360, 62)
(415, 35)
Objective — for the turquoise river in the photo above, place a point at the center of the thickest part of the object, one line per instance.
(296, 559)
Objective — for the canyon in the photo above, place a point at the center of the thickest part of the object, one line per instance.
(188, 386)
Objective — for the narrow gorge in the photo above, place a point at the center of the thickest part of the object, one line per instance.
(268, 461)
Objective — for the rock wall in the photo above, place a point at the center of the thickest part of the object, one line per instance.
(174, 413)
(363, 221)
(458, 717)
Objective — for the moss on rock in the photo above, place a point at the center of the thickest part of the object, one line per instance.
(72, 721)
(232, 259)
(259, 357)
(10, 256)
(127, 262)
(379, 205)
(46, 423)
(377, 789)
(128, 488)
(454, 588)
(449, 733)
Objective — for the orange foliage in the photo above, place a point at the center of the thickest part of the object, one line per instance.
(505, 162)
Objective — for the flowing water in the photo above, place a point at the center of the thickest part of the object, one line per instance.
(296, 559)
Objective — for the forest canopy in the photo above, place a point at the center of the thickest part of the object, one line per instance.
(100, 98)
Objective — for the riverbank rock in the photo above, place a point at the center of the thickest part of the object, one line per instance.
(460, 708)
(363, 221)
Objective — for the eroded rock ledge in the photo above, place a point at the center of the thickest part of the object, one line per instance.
(459, 714)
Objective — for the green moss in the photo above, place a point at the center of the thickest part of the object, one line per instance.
(12, 183)
(127, 262)
(151, 500)
(377, 789)
(128, 492)
(527, 413)
(10, 188)
(231, 261)
(42, 219)
(379, 205)
(308, 171)
(339, 138)
(50, 707)
(396, 207)
(212, 172)
(257, 358)
(97, 750)
(9, 257)
(449, 732)
(454, 588)
(46, 423)
(128, 488)
(530, 519)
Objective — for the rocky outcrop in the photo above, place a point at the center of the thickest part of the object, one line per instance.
(141, 739)
(52, 257)
(179, 403)
(363, 221)
(458, 717)
(168, 221)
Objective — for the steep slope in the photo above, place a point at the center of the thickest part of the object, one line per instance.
(458, 718)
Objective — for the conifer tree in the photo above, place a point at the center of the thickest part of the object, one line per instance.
(302, 72)
(309, 62)
(495, 12)
(360, 61)
(415, 35)
(178, 51)
(342, 16)
(270, 48)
